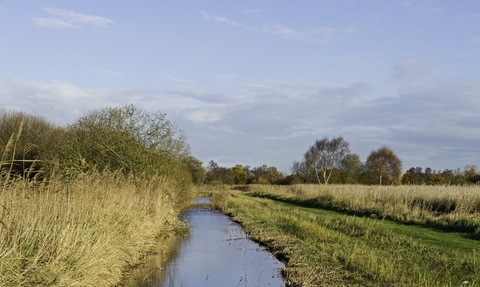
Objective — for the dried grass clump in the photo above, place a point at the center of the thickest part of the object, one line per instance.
(82, 233)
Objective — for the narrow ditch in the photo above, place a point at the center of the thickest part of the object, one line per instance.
(216, 252)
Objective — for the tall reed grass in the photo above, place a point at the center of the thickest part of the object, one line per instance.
(83, 228)
(85, 232)
(452, 207)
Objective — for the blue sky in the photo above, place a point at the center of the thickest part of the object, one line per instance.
(256, 82)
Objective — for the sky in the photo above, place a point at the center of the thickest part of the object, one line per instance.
(257, 82)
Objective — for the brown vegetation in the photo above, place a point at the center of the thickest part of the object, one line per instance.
(452, 207)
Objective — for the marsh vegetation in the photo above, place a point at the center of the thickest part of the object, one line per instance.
(82, 203)
(364, 235)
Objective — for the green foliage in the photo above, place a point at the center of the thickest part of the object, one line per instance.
(383, 167)
(217, 175)
(351, 169)
(125, 138)
(122, 138)
(238, 175)
(265, 175)
(196, 169)
(469, 175)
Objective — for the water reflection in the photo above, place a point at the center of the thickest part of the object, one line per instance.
(216, 253)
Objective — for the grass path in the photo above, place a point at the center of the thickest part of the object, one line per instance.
(331, 248)
(453, 241)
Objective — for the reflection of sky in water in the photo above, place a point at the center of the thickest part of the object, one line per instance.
(218, 253)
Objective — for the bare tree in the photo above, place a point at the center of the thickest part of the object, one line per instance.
(326, 155)
(384, 165)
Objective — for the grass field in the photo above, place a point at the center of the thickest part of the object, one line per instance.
(340, 235)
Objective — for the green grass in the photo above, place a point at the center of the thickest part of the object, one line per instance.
(330, 248)
(433, 235)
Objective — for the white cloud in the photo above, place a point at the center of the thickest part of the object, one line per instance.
(53, 23)
(418, 5)
(476, 39)
(223, 128)
(65, 19)
(251, 10)
(477, 15)
(214, 98)
(321, 35)
(201, 117)
(429, 123)
(224, 20)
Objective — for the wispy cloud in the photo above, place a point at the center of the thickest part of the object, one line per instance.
(224, 20)
(428, 123)
(65, 19)
(321, 35)
(476, 16)
(413, 70)
(203, 116)
(476, 39)
(251, 10)
(419, 5)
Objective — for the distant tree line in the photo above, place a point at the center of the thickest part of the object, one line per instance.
(242, 174)
(416, 175)
(329, 161)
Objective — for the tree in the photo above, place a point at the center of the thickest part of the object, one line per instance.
(414, 176)
(351, 168)
(470, 173)
(326, 155)
(196, 169)
(126, 138)
(265, 175)
(384, 165)
(238, 174)
(217, 175)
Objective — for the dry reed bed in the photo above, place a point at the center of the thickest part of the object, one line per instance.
(454, 207)
(82, 233)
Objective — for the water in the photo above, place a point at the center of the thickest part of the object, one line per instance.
(217, 252)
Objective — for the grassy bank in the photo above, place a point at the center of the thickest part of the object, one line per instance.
(455, 208)
(329, 248)
(86, 232)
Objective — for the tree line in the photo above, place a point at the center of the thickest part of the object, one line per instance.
(330, 161)
(137, 142)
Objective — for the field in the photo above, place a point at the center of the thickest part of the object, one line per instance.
(85, 232)
(364, 235)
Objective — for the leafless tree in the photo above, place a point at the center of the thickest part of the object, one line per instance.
(326, 155)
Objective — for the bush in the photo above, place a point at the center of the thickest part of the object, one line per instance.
(26, 142)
